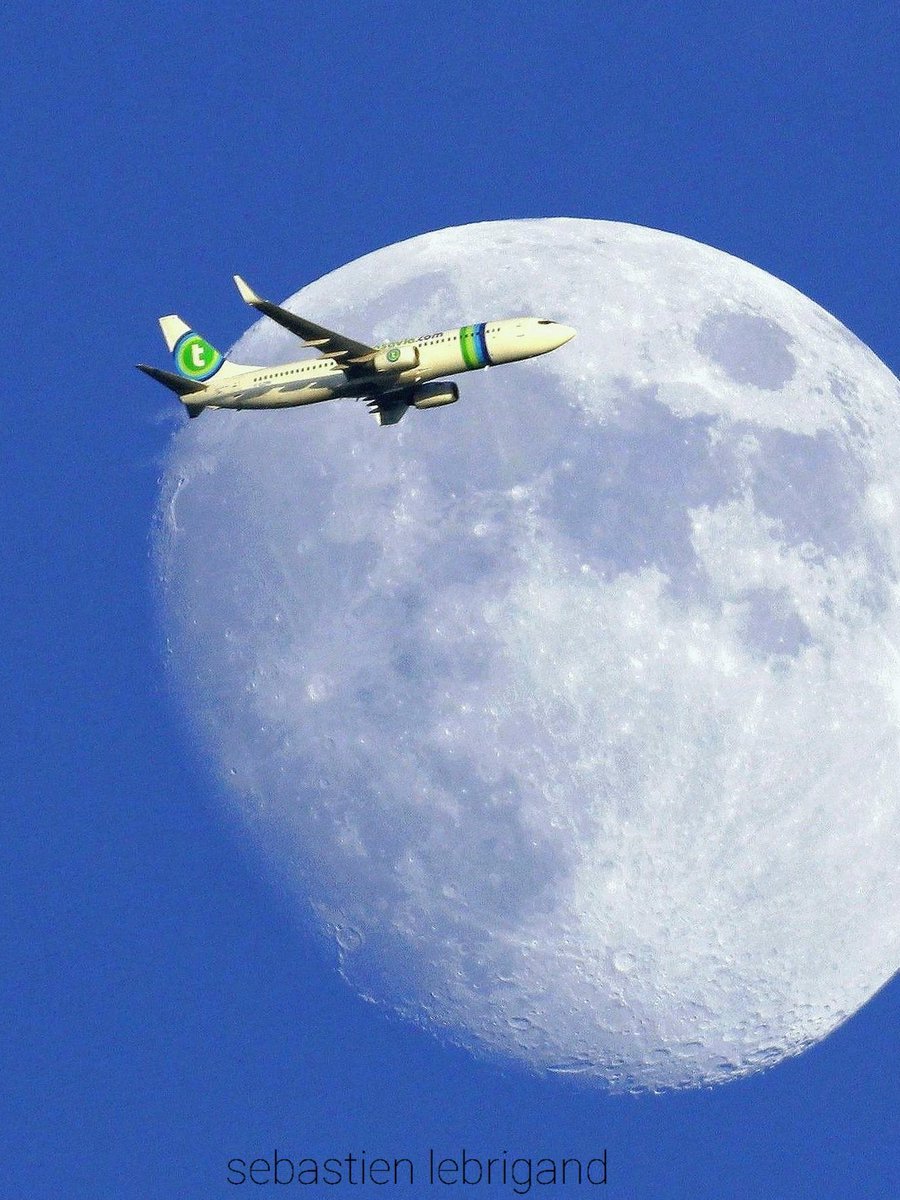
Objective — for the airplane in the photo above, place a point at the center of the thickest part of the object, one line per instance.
(390, 378)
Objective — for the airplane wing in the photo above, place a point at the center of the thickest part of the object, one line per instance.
(389, 407)
(354, 357)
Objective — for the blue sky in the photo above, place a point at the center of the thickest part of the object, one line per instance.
(162, 1011)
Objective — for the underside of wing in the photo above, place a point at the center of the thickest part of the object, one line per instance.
(390, 407)
(352, 356)
(387, 407)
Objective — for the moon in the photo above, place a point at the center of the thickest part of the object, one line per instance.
(570, 714)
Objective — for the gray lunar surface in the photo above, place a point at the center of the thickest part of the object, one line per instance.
(570, 712)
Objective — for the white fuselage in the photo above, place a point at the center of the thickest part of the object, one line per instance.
(310, 381)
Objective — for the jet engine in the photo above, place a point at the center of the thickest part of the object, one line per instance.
(396, 358)
(434, 395)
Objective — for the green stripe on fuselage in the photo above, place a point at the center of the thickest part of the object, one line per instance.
(467, 345)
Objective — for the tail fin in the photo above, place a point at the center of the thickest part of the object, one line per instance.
(196, 358)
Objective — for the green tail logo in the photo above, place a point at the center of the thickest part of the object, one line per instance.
(195, 357)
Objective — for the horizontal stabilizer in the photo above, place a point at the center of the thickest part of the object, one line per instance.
(175, 383)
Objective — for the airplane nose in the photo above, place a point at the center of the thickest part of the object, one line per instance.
(564, 333)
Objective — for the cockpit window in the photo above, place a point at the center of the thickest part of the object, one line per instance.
(545, 322)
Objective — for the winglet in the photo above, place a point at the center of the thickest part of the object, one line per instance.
(247, 293)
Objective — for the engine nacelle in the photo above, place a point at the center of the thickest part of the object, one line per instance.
(396, 358)
(434, 395)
